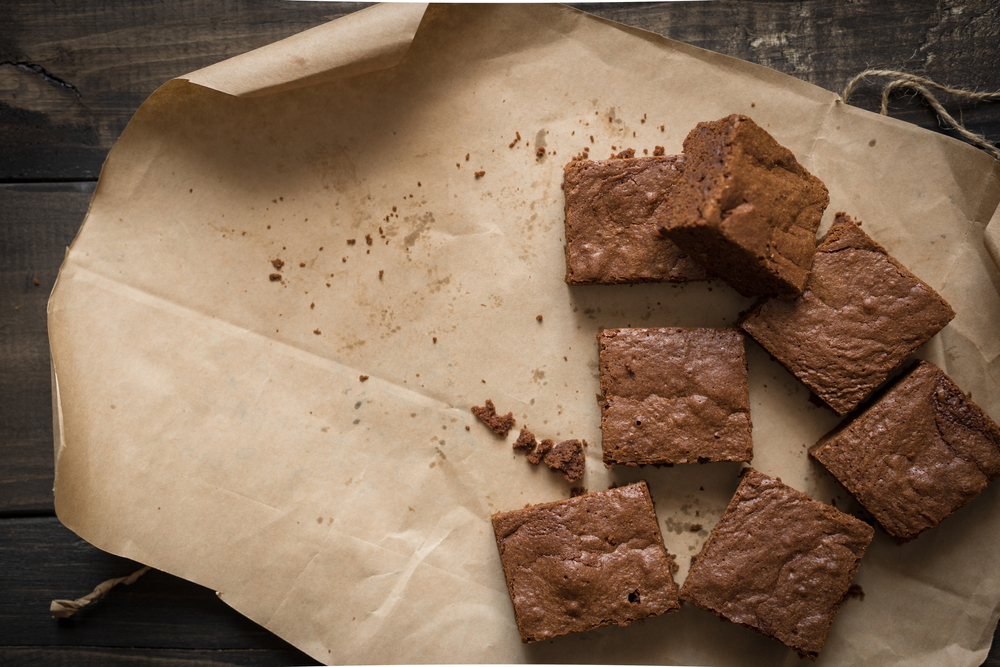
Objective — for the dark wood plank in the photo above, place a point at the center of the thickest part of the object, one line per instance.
(828, 43)
(37, 223)
(73, 73)
(73, 78)
(40, 560)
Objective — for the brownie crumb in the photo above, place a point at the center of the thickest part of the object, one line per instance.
(363, 377)
(381, 272)
(577, 491)
(274, 277)
(434, 339)
(351, 241)
(479, 174)
(543, 448)
(466, 157)
(368, 239)
(317, 331)
(695, 527)
(517, 138)
(468, 428)
(540, 151)
(277, 263)
(567, 458)
(659, 150)
(500, 425)
(525, 441)
(539, 318)
(626, 154)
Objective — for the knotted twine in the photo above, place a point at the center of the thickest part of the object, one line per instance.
(923, 86)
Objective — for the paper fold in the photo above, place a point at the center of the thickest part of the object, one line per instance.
(365, 41)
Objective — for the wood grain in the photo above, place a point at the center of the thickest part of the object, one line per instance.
(157, 612)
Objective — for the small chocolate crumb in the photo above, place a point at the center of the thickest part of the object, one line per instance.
(351, 241)
(36, 282)
(695, 527)
(525, 441)
(368, 239)
(274, 277)
(301, 264)
(381, 272)
(540, 151)
(312, 305)
(317, 331)
(277, 263)
(627, 153)
(479, 174)
(567, 457)
(659, 150)
(577, 491)
(434, 339)
(539, 318)
(500, 425)
(541, 450)
(362, 377)
(468, 428)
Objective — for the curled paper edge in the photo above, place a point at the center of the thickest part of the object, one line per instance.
(992, 238)
(66, 608)
(366, 41)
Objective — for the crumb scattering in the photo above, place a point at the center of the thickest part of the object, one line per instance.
(500, 425)
(535, 457)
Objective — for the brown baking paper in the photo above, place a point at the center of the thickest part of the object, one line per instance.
(216, 423)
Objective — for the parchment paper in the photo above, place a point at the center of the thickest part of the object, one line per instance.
(213, 423)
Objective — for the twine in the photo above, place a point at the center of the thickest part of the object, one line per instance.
(923, 86)
(66, 608)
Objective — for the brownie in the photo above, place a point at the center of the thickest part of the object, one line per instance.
(915, 455)
(585, 562)
(778, 562)
(861, 315)
(672, 395)
(525, 441)
(745, 208)
(611, 233)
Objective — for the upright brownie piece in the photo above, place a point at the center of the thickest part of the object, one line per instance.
(745, 208)
(861, 315)
(611, 234)
(917, 454)
(674, 396)
(585, 562)
(778, 562)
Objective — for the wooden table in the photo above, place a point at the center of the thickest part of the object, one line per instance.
(72, 74)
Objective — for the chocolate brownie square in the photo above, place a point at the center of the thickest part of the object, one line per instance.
(672, 395)
(611, 234)
(861, 314)
(778, 562)
(745, 208)
(915, 455)
(585, 562)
